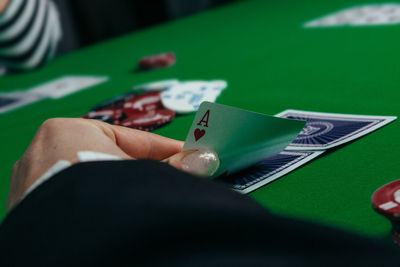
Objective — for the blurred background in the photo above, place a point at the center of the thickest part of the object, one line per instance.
(85, 22)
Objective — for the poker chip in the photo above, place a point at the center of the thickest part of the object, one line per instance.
(386, 202)
(219, 84)
(149, 120)
(143, 112)
(156, 86)
(103, 118)
(113, 113)
(157, 61)
(114, 102)
(106, 119)
(158, 104)
(186, 97)
(143, 103)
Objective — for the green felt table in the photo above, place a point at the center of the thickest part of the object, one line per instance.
(271, 63)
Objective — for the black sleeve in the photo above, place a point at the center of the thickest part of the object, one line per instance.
(148, 213)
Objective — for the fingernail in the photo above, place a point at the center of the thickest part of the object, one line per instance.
(201, 162)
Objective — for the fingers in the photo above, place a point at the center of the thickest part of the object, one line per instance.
(200, 162)
(140, 144)
(176, 159)
(62, 138)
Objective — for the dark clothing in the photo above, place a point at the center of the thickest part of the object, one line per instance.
(148, 213)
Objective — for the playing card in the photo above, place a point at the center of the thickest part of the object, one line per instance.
(268, 170)
(186, 97)
(375, 14)
(156, 86)
(239, 137)
(66, 85)
(327, 130)
(14, 100)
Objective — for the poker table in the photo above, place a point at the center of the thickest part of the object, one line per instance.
(272, 63)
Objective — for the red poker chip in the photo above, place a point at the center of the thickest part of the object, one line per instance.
(386, 200)
(147, 129)
(105, 119)
(151, 119)
(114, 102)
(157, 61)
(143, 103)
(114, 113)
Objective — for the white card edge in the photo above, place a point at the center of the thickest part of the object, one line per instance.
(27, 99)
(340, 115)
(281, 173)
(37, 89)
(307, 25)
(386, 120)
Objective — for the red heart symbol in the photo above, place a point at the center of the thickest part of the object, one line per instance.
(199, 134)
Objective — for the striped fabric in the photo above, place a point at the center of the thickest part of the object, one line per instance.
(29, 33)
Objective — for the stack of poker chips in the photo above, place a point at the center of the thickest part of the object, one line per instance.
(155, 104)
(143, 112)
(386, 202)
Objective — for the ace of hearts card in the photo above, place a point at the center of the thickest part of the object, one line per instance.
(239, 137)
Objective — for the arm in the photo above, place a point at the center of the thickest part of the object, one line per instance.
(143, 212)
(146, 212)
(61, 139)
(3, 5)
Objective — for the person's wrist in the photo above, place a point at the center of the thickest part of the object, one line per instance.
(3, 5)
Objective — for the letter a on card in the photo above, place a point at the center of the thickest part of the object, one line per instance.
(204, 119)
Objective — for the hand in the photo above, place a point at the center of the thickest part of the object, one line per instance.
(3, 5)
(61, 139)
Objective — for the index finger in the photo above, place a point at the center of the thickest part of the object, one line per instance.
(140, 144)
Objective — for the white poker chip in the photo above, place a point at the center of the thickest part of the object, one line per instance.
(186, 97)
(156, 86)
(220, 84)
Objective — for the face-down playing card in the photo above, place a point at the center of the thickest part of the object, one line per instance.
(239, 137)
(66, 85)
(268, 170)
(360, 15)
(14, 100)
(328, 130)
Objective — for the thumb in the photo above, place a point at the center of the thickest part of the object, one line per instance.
(201, 162)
